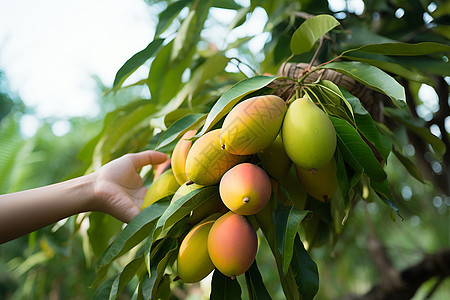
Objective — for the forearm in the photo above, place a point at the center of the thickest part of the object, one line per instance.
(26, 211)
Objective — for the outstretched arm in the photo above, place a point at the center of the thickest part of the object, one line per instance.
(116, 189)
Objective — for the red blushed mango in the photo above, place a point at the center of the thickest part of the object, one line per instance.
(232, 244)
(245, 189)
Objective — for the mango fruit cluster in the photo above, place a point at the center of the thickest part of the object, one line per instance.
(259, 141)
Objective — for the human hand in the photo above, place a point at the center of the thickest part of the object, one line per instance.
(118, 188)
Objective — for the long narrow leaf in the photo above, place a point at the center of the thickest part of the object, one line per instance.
(355, 151)
(136, 61)
(372, 77)
(179, 128)
(305, 271)
(224, 288)
(136, 231)
(255, 285)
(287, 221)
(125, 276)
(231, 97)
(160, 260)
(404, 49)
(183, 206)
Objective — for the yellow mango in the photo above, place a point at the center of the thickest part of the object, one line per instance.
(163, 186)
(193, 262)
(207, 162)
(179, 156)
(252, 125)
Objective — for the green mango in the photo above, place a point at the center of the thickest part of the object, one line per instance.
(252, 125)
(320, 184)
(163, 186)
(293, 188)
(207, 161)
(308, 135)
(275, 160)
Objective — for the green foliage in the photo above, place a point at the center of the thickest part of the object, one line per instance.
(194, 87)
(205, 96)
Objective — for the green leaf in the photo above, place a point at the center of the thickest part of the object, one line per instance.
(368, 128)
(166, 17)
(384, 192)
(255, 285)
(226, 4)
(179, 128)
(135, 232)
(231, 97)
(338, 211)
(342, 176)
(10, 152)
(393, 67)
(372, 77)
(164, 79)
(125, 276)
(160, 259)
(287, 221)
(122, 126)
(404, 49)
(310, 31)
(409, 165)
(183, 206)
(405, 119)
(224, 288)
(355, 151)
(136, 61)
(189, 32)
(102, 227)
(305, 271)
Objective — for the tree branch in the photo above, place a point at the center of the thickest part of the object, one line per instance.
(411, 278)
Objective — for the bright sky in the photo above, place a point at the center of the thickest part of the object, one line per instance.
(49, 49)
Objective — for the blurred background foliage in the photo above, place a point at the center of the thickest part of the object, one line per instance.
(59, 262)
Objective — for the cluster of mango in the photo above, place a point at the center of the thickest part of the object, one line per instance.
(279, 136)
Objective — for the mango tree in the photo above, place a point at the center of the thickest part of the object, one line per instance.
(355, 79)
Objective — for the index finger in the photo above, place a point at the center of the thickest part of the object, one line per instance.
(148, 157)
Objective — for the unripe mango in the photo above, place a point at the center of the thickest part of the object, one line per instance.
(207, 162)
(252, 125)
(232, 244)
(194, 263)
(210, 206)
(245, 189)
(308, 135)
(292, 186)
(179, 156)
(163, 186)
(320, 184)
(274, 159)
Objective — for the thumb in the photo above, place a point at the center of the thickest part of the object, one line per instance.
(143, 158)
